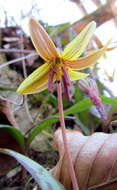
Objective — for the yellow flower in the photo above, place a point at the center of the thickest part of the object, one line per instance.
(59, 66)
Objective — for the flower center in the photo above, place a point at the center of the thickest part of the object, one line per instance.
(56, 66)
(59, 72)
(57, 60)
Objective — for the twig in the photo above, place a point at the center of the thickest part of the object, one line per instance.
(40, 108)
(108, 90)
(17, 50)
(18, 59)
(6, 88)
(25, 75)
(27, 109)
(23, 61)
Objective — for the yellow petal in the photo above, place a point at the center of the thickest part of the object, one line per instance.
(76, 47)
(87, 61)
(75, 75)
(35, 82)
(42, 42)
(39, 89)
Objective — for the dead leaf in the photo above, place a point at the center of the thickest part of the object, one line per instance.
(94, 158)
(6, 114)
(36, 188)
(6, 139)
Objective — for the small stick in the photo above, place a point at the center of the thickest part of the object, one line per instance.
(16, 60)
(25, 75)
(16, 50)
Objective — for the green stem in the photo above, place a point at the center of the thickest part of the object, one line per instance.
(6, 88)
(68, 154)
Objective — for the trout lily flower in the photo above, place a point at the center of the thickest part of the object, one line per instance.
(59, 66)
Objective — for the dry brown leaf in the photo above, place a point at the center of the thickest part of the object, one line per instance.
(6, 114)
(94, 158)
(36, 188)
(6, 139)
(7, 162)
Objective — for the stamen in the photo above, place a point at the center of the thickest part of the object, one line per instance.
(51, 81)
(67, 91)
(66, 83)
(66, 76)
(57, 60)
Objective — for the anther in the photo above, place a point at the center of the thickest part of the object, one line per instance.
(66, 83)
(51, 80)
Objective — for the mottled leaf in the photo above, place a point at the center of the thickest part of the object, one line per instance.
(43, 178)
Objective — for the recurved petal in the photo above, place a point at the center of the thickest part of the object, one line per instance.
(35, 82)
(76, 47)
(41, 40)
(87, 61)
(100, 45)
(75, 75)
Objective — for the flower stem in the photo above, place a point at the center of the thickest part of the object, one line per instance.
(68, 154)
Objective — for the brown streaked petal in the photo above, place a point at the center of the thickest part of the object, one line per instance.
(36, 86)
(97, 41)
(35, 81)
(111, 48)
(86, 61)
(39, 89)
(41, 40)
(100, 45)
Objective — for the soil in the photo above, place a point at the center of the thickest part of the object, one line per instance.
(21, 180)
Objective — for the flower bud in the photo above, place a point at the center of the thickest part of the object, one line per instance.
(89, 87)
